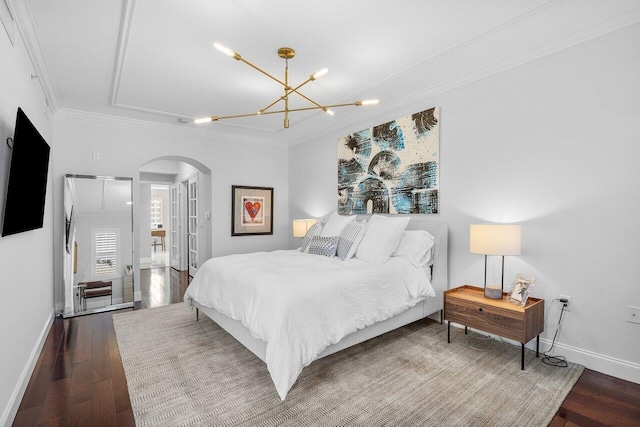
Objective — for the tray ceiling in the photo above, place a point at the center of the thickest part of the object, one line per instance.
(153, 60)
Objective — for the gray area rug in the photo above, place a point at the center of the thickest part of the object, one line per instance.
(182, 372)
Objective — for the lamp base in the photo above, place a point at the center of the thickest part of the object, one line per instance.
(493, 292)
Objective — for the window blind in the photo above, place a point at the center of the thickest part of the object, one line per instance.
(156, 211)
(106, 254)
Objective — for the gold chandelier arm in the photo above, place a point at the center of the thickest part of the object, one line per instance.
(285, 53)
(321, 107)
(240, 58)
(263, 110)
(292, 110)
(288, 92)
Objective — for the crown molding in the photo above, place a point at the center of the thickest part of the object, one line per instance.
(421, 97)
(163, 127)
(27, 29)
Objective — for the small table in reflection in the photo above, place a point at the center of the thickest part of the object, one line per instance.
(161, 234)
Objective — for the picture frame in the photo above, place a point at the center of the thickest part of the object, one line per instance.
(251, 210)
(521, 289)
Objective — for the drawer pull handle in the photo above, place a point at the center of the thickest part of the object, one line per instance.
(480, 309)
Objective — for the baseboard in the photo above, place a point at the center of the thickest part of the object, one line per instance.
(628, 371)
(625, 370)
(9, 413)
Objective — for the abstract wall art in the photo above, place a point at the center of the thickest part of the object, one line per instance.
(391, 168)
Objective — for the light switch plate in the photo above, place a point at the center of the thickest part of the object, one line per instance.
(633, 314)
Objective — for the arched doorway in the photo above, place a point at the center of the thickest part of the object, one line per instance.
(180, 235)
(174, 213)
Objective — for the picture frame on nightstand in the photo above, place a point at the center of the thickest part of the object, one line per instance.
(521, 289)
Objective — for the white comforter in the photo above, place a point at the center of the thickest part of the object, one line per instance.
(300, 303)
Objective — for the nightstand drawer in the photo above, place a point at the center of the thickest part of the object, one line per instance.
(495, 320)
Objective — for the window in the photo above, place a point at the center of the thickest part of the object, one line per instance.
(156, 211)
(105, 253)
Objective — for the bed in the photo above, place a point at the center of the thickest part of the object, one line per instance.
(310, 327)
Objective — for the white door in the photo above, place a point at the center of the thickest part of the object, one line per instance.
(174, 253)
(192, 213)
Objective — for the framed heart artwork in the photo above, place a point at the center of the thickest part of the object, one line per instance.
(251, 210)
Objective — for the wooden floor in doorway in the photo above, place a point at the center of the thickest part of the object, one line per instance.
(162, 286)
(79, 380)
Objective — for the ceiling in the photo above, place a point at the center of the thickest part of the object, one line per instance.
(100, 196)
(153, 60)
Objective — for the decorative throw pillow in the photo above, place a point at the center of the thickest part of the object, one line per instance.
(315, 230)
(416, 246)
(335, 224)
(350, 238)
(326, 246)
(381, 238)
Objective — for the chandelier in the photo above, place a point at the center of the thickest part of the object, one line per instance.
(285, 53)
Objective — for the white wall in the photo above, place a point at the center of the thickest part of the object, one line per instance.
(26, 259)
(126, 145)
(553, 145)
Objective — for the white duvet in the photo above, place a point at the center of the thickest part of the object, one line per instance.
(300, 303)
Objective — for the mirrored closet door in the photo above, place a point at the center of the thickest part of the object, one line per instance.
(98, 244)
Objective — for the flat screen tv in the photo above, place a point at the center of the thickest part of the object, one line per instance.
(27, 184)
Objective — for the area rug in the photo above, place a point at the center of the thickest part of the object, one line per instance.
(181, 372)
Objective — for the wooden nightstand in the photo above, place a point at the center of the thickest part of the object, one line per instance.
(468, 306)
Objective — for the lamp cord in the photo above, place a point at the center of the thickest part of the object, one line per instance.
(557, 361)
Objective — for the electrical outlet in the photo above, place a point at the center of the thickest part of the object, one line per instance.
(633, 314)
(568, 298)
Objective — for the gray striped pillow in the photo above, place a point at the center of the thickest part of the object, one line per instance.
(350, 239)
(324, 246)
(315, 230)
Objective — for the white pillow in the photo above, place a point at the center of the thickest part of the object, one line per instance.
(350, 238)
(335, 224)
(381, 238)
(416, 246)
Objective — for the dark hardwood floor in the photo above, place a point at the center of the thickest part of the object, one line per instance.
(600, 400)
(162, 286)
(79, 380)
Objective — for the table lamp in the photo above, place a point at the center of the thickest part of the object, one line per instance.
(301, 226)
(494, 239)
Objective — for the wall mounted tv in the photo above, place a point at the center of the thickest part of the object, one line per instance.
(27, 184)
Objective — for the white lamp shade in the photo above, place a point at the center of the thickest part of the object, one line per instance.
(301, 226)
(495, 239)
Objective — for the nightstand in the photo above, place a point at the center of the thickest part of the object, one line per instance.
(468, 306)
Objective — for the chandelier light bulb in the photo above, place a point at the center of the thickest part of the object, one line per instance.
(224, 49)
(319, 74)
(368, 102)
(202, 120)
(329, 112)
